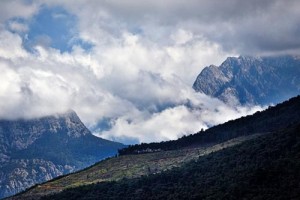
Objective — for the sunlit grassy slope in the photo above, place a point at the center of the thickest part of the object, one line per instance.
(127, 166)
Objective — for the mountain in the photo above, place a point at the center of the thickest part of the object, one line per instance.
(126, 166)
(37, 150)
(251, 80)
(230, 154)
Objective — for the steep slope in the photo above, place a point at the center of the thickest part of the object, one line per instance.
(154, 158)
(127, 166)
(263, 168)
(251, 80)
(36, 150)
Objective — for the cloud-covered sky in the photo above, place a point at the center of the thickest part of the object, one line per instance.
(127, 66)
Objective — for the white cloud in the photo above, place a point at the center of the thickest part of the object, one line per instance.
(17, 26)
(11, 45)
(16, 8)
(246, 27)
(166, 125)
(138, 74)
(174, 122)
(181, 37)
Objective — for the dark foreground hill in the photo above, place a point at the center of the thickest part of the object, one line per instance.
(37, 150)
(263, 168)
(127, 166)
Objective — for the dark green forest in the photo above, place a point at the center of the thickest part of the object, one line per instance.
(263, 168)
(274, 118)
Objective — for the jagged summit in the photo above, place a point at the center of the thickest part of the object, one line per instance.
(251, 80)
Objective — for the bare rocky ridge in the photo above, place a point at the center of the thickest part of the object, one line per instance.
(36, 150)
(251, 80)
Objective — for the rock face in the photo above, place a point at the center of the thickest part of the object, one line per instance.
(251, 80)
(37, 150)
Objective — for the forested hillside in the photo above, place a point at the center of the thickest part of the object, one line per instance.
(263, 168)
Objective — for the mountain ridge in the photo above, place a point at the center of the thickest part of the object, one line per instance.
(251, 80)
(39, 149)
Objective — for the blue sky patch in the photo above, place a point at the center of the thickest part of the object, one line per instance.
(53, 27)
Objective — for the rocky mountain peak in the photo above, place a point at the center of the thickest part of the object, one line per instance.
(23, 132)
(74, 125)
(36, 150)
(251, 80)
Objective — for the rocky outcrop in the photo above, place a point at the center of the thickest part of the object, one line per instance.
(19, 174)
(251, 80)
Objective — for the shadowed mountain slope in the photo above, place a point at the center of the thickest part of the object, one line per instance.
(37, 150)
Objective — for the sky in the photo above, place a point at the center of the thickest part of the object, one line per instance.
(127, 66)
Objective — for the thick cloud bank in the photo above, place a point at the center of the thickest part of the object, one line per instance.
(127, 66)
